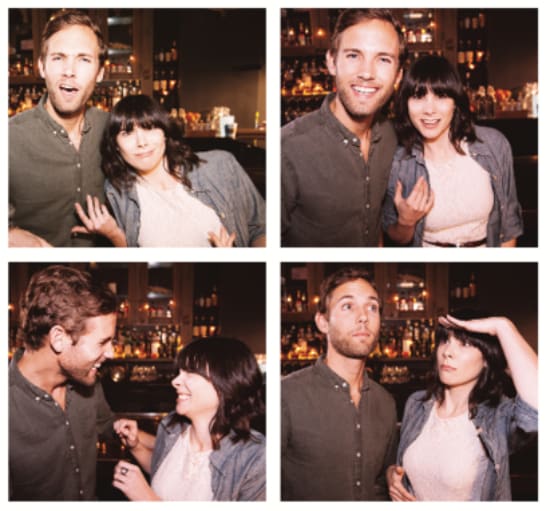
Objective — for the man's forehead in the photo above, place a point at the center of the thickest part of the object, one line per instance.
(358, 288)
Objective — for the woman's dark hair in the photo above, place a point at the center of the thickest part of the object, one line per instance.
(143, 111)
(436, 74)
(233, 371)
(492, 380)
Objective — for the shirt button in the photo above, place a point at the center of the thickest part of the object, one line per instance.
(78, 189)
(358, 426)
(71, 447)
(346, 141)
(77, 470)
(55, 132)
(357, 483)
(345, 385)
(367, 206)
(81, 492)
(358, 454)
(336, 387)
(66, 423)
(78, 165)
(367, 179)
(355, 141)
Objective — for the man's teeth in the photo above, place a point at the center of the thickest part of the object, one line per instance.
(364, 90)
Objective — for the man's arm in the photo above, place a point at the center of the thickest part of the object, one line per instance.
(21, 238)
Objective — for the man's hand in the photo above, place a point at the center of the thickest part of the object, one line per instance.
(21, 238)
(417, 205)
(394, 477)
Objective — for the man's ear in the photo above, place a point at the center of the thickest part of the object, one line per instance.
(321, 322)
(398, 78)
(331, 66)
(100, 74)
(58, 338)
(41, 67)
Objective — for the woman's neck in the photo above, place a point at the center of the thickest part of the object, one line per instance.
(440, 150)
(200, 438)
(456, 401)
(158, 178)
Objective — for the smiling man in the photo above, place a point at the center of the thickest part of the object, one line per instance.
(54, 158)
(336, 161)
(339, 427)
(56, 406)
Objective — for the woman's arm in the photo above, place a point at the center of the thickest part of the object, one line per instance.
(140, 443)
(521, 358)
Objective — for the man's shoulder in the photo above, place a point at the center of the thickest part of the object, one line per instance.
(303, 126)
(97, 116)
(298, 379)
(380, 391)
(23, 119)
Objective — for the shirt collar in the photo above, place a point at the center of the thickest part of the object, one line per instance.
(340, 131)
(50, 121)
(334, 379)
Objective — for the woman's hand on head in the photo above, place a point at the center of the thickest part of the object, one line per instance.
(417, 205)
(223, 239)
(130, 480)
(98, 220)
(490, 325)
(394, 478)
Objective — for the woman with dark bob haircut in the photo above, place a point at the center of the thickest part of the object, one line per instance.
(452, 182)
(164, 195)
(456, 437)
(206, 449)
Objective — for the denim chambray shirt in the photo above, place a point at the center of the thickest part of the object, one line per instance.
(493, 152)
(238, 469)
(220, 183)
(498, 430)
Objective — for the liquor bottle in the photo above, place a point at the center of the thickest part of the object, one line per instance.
(472, 286)
(301, 35)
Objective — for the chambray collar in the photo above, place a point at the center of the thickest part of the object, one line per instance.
(340, 131)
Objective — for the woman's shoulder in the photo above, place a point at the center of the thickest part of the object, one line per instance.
(490, 136)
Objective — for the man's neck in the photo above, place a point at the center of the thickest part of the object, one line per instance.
(350, 369)
(360, 126)
(73, 124)
(41, 369)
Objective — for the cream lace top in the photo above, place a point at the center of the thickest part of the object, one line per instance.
(174, 218)
(463, 201)
(447, 459)
(184, 474)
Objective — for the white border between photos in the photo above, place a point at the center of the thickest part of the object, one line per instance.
(273, 255)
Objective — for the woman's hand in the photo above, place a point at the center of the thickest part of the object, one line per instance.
(130, 480)
(394, 477)
(99, 221)
(127, 430)
(416, 205)
(223, 239)
(491, 325)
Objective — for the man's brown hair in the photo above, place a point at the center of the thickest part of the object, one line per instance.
(64, 296)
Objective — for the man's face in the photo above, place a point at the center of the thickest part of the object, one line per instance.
(71, 69)
(352, 320)
(366, 68)
(81, 361)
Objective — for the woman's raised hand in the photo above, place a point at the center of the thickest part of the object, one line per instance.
(127, 431)
(98, 220)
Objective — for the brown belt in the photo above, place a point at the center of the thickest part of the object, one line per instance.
(477, 243)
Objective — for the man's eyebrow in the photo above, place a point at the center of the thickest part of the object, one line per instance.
(369, 297)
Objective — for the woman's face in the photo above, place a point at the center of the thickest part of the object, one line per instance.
(459, 363)
(431, 115)
(197, 397)
(143, 149)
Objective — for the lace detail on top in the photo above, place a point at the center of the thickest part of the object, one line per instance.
(184, 474)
